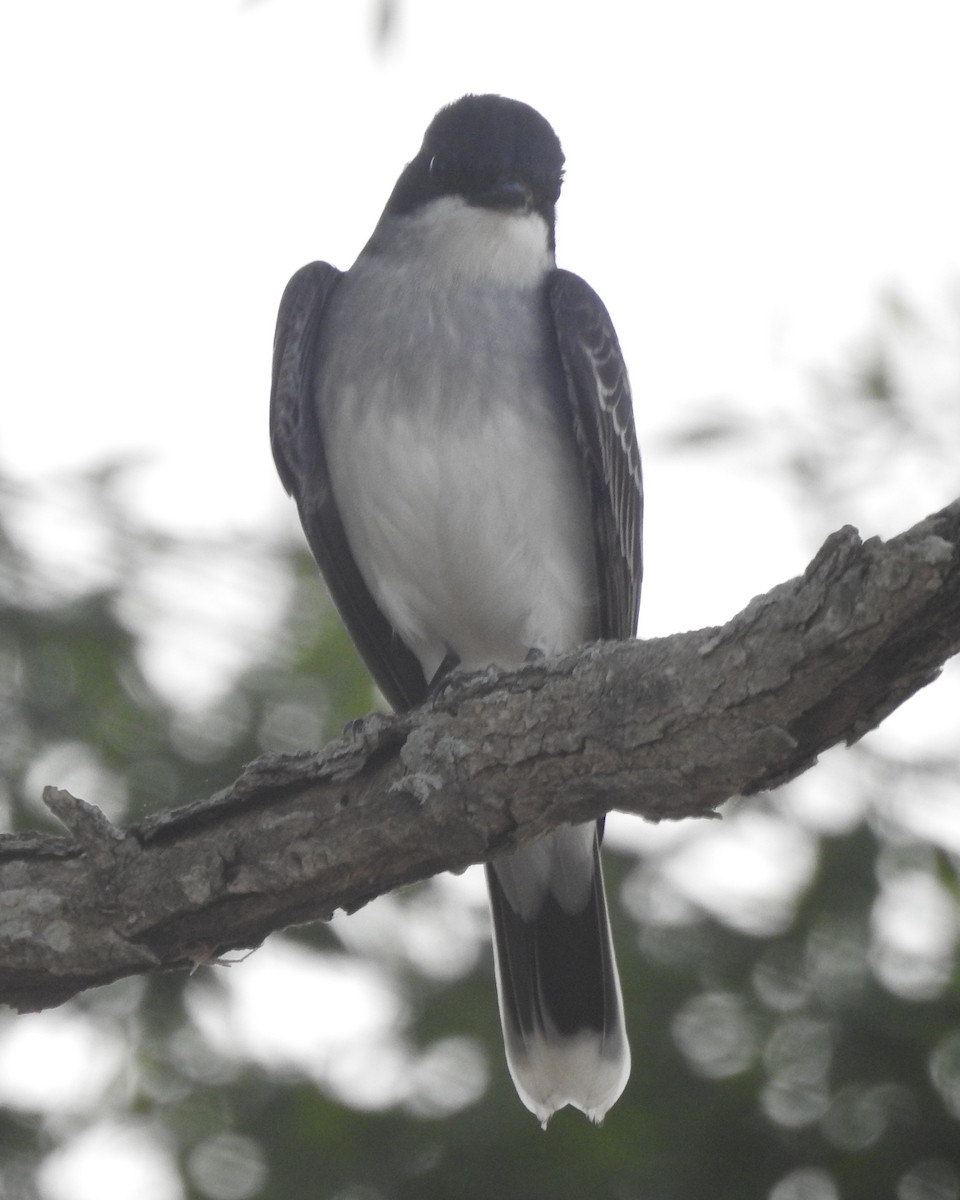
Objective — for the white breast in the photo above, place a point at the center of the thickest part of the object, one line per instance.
(452, 464)
(450, 240)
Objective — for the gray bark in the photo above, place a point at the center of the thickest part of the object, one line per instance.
(665, 728)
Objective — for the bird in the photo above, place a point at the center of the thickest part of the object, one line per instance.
(453, 418)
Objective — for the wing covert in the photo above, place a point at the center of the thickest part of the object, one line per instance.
(294, 366)
(602, 412)
(302, 465)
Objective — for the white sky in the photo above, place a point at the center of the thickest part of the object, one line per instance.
(742, 180)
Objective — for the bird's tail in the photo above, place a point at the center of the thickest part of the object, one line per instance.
(557, 982)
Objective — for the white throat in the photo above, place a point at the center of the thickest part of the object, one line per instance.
(452, 240)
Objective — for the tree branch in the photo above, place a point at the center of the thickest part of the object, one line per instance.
(666, 728)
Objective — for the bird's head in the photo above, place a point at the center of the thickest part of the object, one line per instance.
(488, 152)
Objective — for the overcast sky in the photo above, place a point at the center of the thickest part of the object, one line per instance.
(743, 180)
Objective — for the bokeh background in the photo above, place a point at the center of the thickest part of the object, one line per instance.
(766, 196)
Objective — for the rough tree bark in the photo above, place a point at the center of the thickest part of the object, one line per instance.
(665, 728)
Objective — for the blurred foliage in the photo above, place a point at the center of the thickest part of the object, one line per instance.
(797, 1044)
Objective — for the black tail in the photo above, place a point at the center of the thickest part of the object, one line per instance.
(557, 981)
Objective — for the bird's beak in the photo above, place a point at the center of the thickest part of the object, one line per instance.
(507, 194)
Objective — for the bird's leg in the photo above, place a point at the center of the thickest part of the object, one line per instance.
(441, 676)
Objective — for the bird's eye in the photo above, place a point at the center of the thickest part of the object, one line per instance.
(437, 168)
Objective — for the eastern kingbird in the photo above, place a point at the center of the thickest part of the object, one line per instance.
(452, 416)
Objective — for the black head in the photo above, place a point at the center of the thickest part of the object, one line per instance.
(489, 151)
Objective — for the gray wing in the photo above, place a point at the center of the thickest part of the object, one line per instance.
(302, 465)
(556, 970)
(602, 412)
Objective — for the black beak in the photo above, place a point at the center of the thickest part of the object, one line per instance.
(508, 195)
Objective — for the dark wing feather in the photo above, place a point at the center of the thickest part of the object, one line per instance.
(302, 465)
(602, 411)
